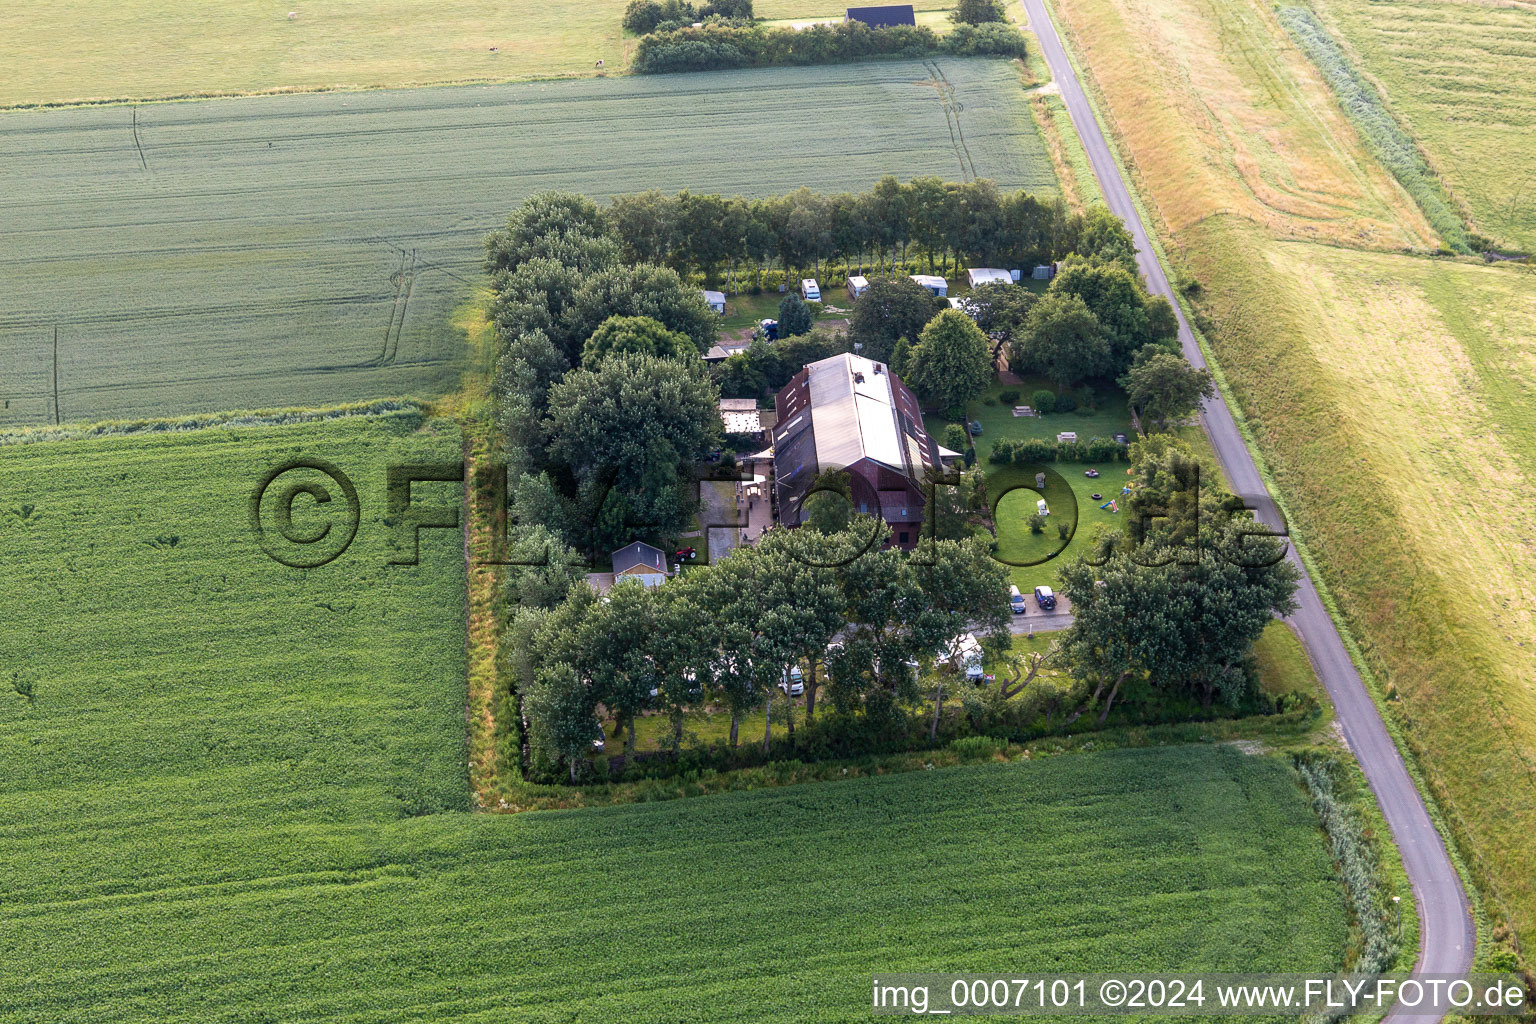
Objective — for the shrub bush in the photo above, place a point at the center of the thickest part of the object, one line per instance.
(1009, 397)
(1066, 403)
(1044, 401)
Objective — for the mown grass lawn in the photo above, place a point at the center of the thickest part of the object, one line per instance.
(1069, 491)
(230, 789)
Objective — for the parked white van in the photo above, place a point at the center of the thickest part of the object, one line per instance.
(809, 292)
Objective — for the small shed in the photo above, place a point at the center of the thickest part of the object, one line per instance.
(1044, 272)
(882, 17)
(716, 300)
(741, 416)
(640, 561)
(978, 276)
(856, 286)
(937, 285)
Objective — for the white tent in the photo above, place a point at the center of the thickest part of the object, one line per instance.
(978, 276)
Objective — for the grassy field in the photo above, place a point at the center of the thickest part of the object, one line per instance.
(1409, 445)
(1222, 114)
(78, 50)
(308, 250)
(1460, 75)
(229, 785)
(1390, 393)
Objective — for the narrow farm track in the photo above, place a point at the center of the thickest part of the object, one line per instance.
(1447, 935)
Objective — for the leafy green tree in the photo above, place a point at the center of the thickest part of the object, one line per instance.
(527, 366)
(1002, 308)
(1115, 296)
(1164, 387)
(560, 716)
(1103, 236)
(1183, 594)
(890, 308)
(546, 568)
(804, 597)
(1062, 340)
(978, 12)
(628, 425)
(639, 335)
(641, 290)
(956, 438)
(1162, 324)
(794, 316)
(901, 356)
(952, 363)
(565, 225)
(539, 295)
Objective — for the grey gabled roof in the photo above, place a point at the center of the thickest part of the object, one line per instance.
(639, 554)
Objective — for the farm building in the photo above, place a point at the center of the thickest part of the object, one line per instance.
(741, 416)
(640, 561)
(882, 17)
(856, 286)
(851, 413)
(978, 276)
(936, 285)
(716, 300)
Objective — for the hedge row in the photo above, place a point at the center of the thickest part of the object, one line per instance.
(722, 46)
(1034, 450)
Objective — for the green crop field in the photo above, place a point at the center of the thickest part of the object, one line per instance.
(1461, 77)
(231, 790)
(309, 250)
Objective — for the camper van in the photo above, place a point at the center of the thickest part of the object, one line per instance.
(809, 292)
(857, 286)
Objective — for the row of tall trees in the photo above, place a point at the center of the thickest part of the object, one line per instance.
(720, 43)
(852, 613)
(946, 224)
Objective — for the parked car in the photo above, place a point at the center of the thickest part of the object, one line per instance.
(770, 329)
(1016, 601)
(793, 682)
(1044, 598)
(599, 745)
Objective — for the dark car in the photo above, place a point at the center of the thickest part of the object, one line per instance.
(770, 329)
(1044, 598)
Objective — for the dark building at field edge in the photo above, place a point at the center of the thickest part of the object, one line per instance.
(882, 17)
(853, 414)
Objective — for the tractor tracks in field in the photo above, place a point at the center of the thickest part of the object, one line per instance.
(404, 280)
(952, 110)
(137, 145)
